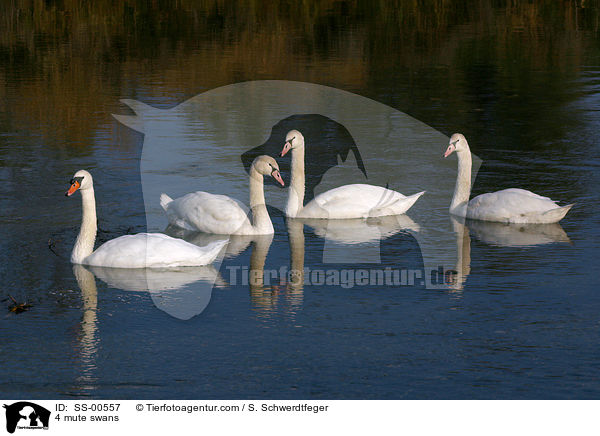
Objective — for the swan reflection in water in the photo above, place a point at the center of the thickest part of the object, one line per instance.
(181, 292)
(356, 237)
(517, 235)
(263, 296)
(88, 343)
(357, 240)
(360, 231)
(268, 289)
(344, 239)
(185, 292)
(500, 235)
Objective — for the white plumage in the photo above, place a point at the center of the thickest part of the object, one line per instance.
(219, 214)
(512, 205)
(209, 213)
(144, 250)
(152, 250)
(515, 205)
(357, 201)
(345, 202)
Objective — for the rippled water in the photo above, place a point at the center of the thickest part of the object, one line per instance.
(521, 83)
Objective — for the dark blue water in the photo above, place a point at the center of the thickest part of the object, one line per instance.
(524, 325)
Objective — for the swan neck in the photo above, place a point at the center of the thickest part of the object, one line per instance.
(297, 184)
(261, 222)
(462, 190)
(84, 245)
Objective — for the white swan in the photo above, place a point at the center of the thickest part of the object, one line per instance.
(349, 201)
(144, 250)
(509, 205)
(219, 214)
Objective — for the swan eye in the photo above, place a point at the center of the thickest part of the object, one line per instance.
(76, 179)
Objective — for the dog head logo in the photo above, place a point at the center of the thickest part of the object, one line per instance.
(26, 415)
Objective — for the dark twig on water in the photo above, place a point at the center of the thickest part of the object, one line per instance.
(18, 307)
(51, 247)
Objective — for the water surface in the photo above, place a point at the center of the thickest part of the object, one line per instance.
(520, 81)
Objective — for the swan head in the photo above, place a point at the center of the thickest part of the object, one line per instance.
(293, 139)
(267, 166)
(81, 180)
(457, 144)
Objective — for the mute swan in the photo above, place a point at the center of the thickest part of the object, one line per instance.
(144, 250)
(349, 201)
(508, 206)
(219, 214)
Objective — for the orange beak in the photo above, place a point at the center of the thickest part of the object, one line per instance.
(74, 187)
(277, 177)
(450, 150)
(286, 147)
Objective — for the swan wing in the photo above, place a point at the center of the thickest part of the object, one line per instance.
(523, 192)
(509, 205)
(357, 201)
(210, 213)
(152, 250)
